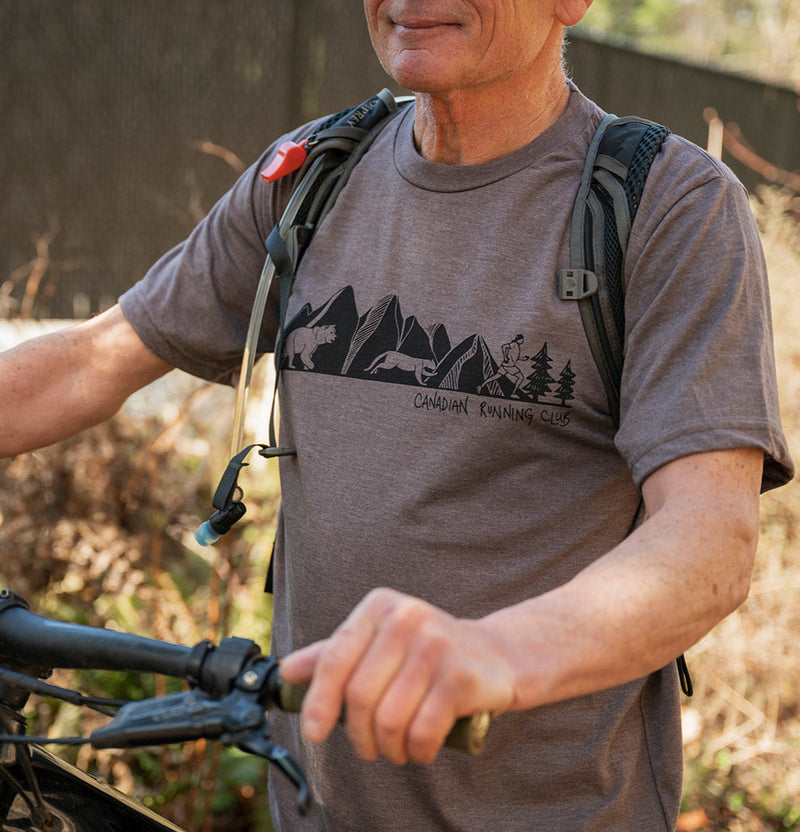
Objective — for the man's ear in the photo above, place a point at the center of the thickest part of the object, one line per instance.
(570, 12)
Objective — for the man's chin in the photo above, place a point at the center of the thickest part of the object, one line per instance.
(419, 71)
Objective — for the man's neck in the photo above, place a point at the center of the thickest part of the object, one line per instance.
(478, 124)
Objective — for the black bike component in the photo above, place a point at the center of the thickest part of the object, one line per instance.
(11, 599)
(235, 685)
(223, 664)
(60, 644)
(235, 719)
(22, 681)
(178, 717)
(70, 800)
(257, 742)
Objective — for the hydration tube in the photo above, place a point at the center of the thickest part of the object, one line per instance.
(318, 186)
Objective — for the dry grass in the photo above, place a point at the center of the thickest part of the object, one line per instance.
(101, 525)
(98, 530)
(742, 727)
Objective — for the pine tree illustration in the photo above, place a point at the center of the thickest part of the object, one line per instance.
(540, 379)
(566, 384)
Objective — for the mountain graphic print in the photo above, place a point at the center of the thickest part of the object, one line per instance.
(384, 346)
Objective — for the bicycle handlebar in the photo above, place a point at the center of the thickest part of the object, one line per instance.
(26, 636)
(29, 640)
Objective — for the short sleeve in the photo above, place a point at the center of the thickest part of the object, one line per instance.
(193, 306)
(699, 367)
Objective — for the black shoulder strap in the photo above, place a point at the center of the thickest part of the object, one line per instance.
(614, 175)
(616, 167)
(322, 164)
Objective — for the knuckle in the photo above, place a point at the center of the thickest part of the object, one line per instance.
(423, 743)
(332, 658)
(410, 616)
(358, 697)
(346, 631)
(381, 598)
(389, 723)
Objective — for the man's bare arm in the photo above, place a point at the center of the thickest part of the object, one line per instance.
(406, 670)
(657, 593)
(57, 385)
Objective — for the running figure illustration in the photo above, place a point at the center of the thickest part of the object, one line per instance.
(509, 368)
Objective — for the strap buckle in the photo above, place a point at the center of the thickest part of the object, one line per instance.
(576, 284)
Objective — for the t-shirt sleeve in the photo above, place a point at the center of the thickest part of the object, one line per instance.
(699, 368)
(193, 306)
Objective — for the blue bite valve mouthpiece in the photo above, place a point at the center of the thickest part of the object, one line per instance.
(205, 534)
(208, 533)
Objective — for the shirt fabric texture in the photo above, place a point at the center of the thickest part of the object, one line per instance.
(454, 439)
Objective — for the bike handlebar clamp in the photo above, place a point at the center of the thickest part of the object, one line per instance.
(222, 664)
(11, 599)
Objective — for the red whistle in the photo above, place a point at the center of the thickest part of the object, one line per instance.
(288, 159)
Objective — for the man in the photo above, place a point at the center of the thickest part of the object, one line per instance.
(440, 558)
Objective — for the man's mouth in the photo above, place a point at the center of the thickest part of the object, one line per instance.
(421, 24)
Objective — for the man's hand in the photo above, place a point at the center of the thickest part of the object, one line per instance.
(404, 672)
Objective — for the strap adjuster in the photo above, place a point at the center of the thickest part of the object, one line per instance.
(576, 284)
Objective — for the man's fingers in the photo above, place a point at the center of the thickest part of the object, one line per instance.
(404, 671)
(399, 707)
(337, 658)
(385, 689)
(298, 668)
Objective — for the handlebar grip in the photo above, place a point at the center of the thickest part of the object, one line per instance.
(467, 734)
(27, 638)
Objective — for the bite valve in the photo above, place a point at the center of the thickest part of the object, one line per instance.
(220, 523)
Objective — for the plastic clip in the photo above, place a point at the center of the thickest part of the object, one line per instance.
(228, 496)
(576, 284)
(220, 523)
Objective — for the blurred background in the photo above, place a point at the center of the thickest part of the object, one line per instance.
(121, 125)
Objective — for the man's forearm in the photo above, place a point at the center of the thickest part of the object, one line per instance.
(653, 596)
(59, 384)
(405, 669)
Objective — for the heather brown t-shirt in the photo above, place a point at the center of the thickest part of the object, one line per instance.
(454, 440)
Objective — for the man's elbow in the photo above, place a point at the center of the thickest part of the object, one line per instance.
(743, 545)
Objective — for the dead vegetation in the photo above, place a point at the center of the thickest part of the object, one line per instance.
(742, 727)
(98, 529)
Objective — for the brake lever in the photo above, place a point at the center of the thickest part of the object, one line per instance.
(177, 717)
(257, 742)
(235, 719)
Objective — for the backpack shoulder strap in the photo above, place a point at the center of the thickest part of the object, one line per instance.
(322, 164)
(614, 175)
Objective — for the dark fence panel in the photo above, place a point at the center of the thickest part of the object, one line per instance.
(676, 94)
(104, 105)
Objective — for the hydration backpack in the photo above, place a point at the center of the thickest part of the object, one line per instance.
(616, 167)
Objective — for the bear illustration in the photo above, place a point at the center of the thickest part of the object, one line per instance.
(304, 340)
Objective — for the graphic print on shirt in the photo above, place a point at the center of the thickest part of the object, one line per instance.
(382, 345)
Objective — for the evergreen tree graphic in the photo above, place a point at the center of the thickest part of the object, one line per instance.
(540, 379)
(566, 384)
